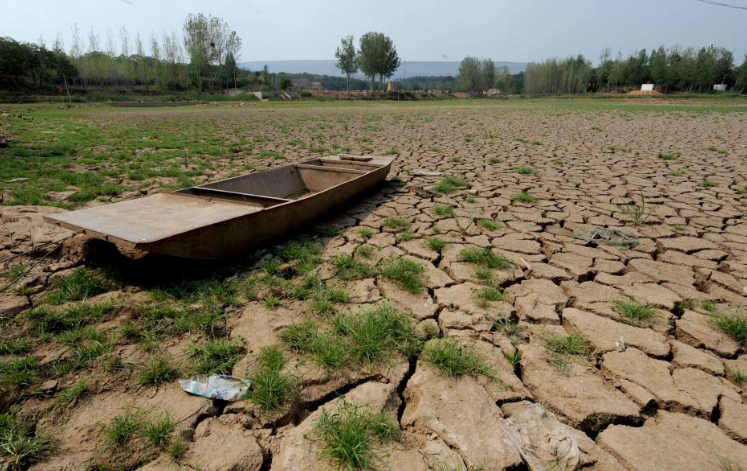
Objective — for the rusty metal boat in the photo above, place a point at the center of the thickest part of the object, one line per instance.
(226, 218)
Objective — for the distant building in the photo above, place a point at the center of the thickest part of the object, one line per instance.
(647, 87)
(306, 84)
(720, 87)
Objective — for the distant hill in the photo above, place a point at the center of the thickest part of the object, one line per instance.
(407, 69)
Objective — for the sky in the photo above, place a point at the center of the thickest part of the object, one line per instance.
(422, 30)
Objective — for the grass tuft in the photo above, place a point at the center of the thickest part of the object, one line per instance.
(271, 390)
(734, 324)
(347, 268)
(443, 210)
(123, 428)
(78, 286)
(216, 356)
(436, 244)
(455, 359)
(485, 258)
(524, 197)
(450, 184)
(634, 312)
(158, 371)
(490, 224)
(525, 170)
(397, 223)
(408, 274)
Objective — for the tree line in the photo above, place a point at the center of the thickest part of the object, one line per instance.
(376, 56)
(672, 69)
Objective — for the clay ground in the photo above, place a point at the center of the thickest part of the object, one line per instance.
(508, 342)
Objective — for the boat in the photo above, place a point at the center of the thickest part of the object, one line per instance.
(227, 218)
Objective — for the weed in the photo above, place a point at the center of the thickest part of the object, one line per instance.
(525, 170)
(15, 272)
(366, 233)
(736, 375)
(327, 350)
(158, 433)
(450, 184)
(708, 183)
(436, 244)
(560, 349)
(70, 395)
(726, 464)
(443, 210)
(524, 197)
(455, 159)
(14, 347)
(216, 356)
(18, 372)
(327, 231)
(510, 327)
(408, 274)
(709, 306)
(495, 160)
(373, 334)
(638, 213)
(78, 286)
(669, 156)
(490, 224)
(679, 227)
(347, 268)
(559, 162)
(176, 448)
(436, 149)
(485, 258)
(491, 294)
(734, 324)
(158, 371)
(470, 200)
(272, 302)
(304, 256)
(456, 359)
(18, 445)
(597, 129)
(271, 389)
(365, 251)
(676, 173)
(123, 428)
(349, 435)
(634, 312)
(397, 223)
(405, 236)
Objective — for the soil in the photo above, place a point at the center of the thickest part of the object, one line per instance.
(647, 396)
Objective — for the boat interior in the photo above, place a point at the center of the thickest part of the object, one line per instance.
(285, 184)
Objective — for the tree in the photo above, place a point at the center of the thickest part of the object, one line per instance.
(470, 74)
(284, 82)
(488, 74)
(742, 75)
(377, 56)
(347, 59)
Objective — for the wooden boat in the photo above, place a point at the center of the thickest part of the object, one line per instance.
(226, 218)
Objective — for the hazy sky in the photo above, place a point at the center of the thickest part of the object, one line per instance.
(504, 30)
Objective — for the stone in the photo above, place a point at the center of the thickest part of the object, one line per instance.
(671, 442)
(603, 333)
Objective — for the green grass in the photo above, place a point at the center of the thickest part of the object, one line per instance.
(123, 428)
(406, 235)
(524, 197)
(158, 433)
(450, 184)
(736, 375)
(18, 447)
(676, 173)
(455, 359)
(559, 162)
(82, 284)
(708, 183)
(216, 356)
(725, 464)
(348, 437)
(436, 244)
(443, 210)
(407, 274)
(488, 294)
(19, 372)
(515, 331)
(490, 224)
(158, 371)
(396, 223)
(485, 258)
(365, 251)
(562, 348)
(669, 155)
(455, 159)
(347, 268)
(634, 312)
(327, 349)
(366, 233)
(525, 170)
(679, 227)
(495, 160)
(305, 256)
(709, 306)
(470, 199)
(71, 395)
(734, 324)
(327, 231)
(14, 347)
(272, 390)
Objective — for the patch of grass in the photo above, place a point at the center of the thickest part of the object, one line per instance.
(559, 162)
(70, 395)
(524, 197)
(676, 173)
(717, 150)
(736, 375)
(14, 347)
(348, 437)
(408, 274)
(708, 183)
(455, 159)
(436, 149)
(455, 359)
(303, 256)
(734, 324)
(158, 371)
(525, 170)
(450, 184)
(15, 272)
(326, 349)
(470, 199)
(373, 334)
(634, 312)
(638, 213)
(485, 258)
(560, 349)
(366, 233)
(725, 464)
(347, 268)
(679, 227)
(488, 294)
(709, 306)
(78, 286)
(327, 231)
(489, 224)
(597, 129)
(272, 302)
(271, 390)
(123, 428)
(18, 372)
(511, 328)
(18, 446)
(176, 448)
(216, 356)
(443, 210)
(158, 433)
(495, 160)
(668, 155)
(396, 223)
(365, 251)
(436, 244)
(406, 235)
(46, 321)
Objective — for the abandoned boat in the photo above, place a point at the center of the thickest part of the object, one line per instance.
(226, 218)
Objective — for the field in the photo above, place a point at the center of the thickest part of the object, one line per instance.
(455, 322)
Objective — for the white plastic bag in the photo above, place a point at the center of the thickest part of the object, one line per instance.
(223, 387)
